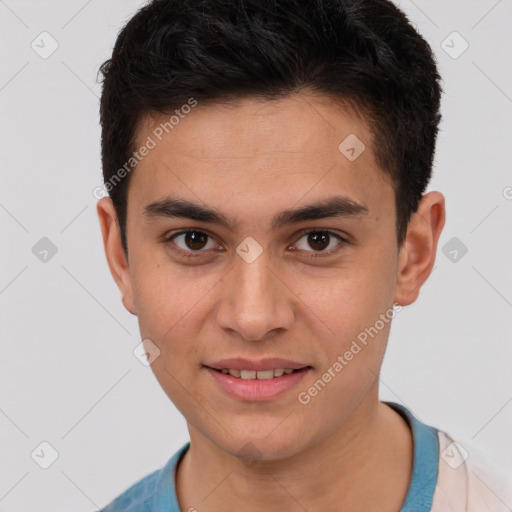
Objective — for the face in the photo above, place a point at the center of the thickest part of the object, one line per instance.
(257, 243)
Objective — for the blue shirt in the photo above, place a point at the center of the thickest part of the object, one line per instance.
(156, 492)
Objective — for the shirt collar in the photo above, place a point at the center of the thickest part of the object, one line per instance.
(425, 465)
(421, 489)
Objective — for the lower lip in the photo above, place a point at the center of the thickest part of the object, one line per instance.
(256, 390)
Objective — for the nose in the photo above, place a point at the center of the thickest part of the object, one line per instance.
(255, 303)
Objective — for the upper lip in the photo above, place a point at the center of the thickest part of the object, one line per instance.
(269, 363)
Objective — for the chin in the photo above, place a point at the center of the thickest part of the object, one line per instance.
(263, 448)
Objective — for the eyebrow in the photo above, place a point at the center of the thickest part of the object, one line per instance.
(337, 206)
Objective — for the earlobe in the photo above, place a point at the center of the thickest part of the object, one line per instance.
(418, 252)
(114, 252)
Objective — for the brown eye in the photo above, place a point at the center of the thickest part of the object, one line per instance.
(319, 241)
(195, 240)
(192, 241)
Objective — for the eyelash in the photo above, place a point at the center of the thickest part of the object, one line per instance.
(194, 254)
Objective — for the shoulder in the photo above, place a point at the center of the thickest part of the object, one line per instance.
(153, 493)
(490, 486)
(138, 497)
(468, 480)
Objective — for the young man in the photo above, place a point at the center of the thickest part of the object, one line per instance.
(267, 165)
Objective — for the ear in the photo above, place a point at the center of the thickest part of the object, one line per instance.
(418, 252)
(114, 251)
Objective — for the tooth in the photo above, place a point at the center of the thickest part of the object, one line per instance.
(247, 374)
(288, 371)
(224, 370)
(234, 373)
(279, 372)
(265, 375)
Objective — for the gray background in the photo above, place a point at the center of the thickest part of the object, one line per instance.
(68, 375)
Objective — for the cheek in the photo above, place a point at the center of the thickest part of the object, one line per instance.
(355, 300)
(170, 314)
(173, 307)
(361, 322)
(168, 300)
(358, 308)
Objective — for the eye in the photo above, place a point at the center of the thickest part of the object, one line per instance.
(189, 242)
(321, 241)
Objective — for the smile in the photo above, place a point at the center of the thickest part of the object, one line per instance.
(257, 385)
(260, 375)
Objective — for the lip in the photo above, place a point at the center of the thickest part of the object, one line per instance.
(256, 390)
(269, 363)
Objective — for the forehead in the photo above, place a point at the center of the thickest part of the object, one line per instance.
(265, 151)
(298, 123)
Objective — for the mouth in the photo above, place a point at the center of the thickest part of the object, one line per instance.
(257, 381)
(259, 375)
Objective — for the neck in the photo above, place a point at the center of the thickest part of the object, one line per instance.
(365, 465)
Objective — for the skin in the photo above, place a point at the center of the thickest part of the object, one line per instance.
(344, 450)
